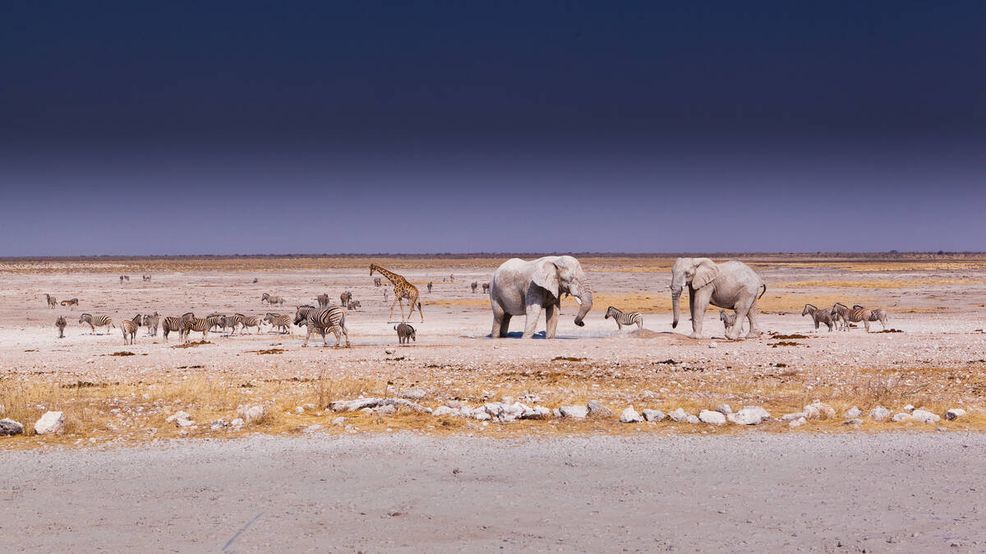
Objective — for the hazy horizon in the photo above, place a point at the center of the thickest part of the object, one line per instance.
(188, 129)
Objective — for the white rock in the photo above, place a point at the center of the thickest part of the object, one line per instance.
(879, 414)
(217, 424)
(924, 416)
(252, 413)
(574, 412)
(596, 409)
(386, 409)
(354, 405)
(693, 419)
(679, 415)
(444, 411)
(647, 394)
(299, 410)
(852, 413)
(9, 427)
(724, 409)
(793, 416)
(712, 418)
(236, 424)
(795, 423)
(901, 417)
(712, 345)
(954, 413)
(481, 415)
(653, 415)
(750, 415)
(537, 412)
(178, 415)
(556, 412)
(908, 408)
(630, 415)
(414, 394)
(818, 410)
(339, 421)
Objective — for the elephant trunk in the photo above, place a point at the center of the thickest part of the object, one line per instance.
(675, 307)
(585, 304)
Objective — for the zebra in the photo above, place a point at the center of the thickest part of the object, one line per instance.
(151, 322)
(170, 324)
(858, 314)
(624, 318)
(840, 313)
(430, 284)
(323, 300)
(474, 285)
(377, 282)
(232, 321)
(271, 299)
(321, 321)
(279, 321)
(345, 297)
(405, 333)
(197, 325)
(819, 316)
(96, 321)
(129, 328)
(61, 323)
(73, 302)
(249, 321)
(728, 319)
(486, 288)
(52, 303)
(217, 320)
(353, 304)
(145, 277)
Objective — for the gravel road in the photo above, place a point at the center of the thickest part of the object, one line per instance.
(753, 492)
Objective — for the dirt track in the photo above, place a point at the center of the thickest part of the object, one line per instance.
(912, 492)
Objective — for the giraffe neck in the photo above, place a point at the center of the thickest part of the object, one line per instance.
(390, 275)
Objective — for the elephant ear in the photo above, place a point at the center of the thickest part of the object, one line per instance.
(546, 277)
(705, 273)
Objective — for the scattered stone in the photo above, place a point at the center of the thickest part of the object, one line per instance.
(537, 412)
(879, 414)
(386, 409)
(852, 413)
(654, 415)
(481, 415)
(339, 421)
(9, 427)
(901, 417)
(750, 415)
(180, 419)
(693, 419)
(251, 414)
(793, 416)
(299, 410)
(712, 418)
(630, 415)
(354, 405)
(679, 415)
(909, 408)
(414, 394)
(724, 409)
(712, 345)
(444, 411)
(647, 394)
(596, 409)
(818, 410)
(217, 425)
(795, 423)
(952, 414)
(924, 416)
(236, 424)
(574, 412)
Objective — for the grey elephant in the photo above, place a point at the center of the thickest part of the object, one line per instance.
(731, 285)
(521, 287)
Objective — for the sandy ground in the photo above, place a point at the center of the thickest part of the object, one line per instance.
(912, 492)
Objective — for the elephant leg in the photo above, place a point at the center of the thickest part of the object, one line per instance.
(551, 321)
(498, 317)
(533, 315)
(699, 301)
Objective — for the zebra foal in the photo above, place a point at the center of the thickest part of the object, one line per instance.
(624, 318)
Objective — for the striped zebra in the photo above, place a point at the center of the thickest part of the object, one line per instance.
(819, 316)
(624, 318)
(52, 303)
(196, 325)
(71, 302)
(217, 320)
(728, 319)
(321, 321)
(61, 323)
(151, 323)
(129, 328)
(169, 324)
(345, 297)
(323, 300)
(232, 321)
(96, 321)
(858, 314)
(280, 322)
(249, 321)
(270, 299)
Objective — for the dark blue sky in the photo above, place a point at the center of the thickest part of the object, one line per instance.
(260, 127)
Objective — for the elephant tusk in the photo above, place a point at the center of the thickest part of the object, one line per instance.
(578, 300)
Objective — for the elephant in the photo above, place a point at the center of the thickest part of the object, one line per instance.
(731, 285)
(521, 287)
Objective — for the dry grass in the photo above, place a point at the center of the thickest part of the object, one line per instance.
(895, 284)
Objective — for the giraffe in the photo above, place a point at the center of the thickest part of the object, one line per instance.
(402, 289)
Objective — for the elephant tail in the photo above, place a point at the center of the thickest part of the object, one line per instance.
(763, 292)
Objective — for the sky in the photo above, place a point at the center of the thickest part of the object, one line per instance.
(140, 128)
